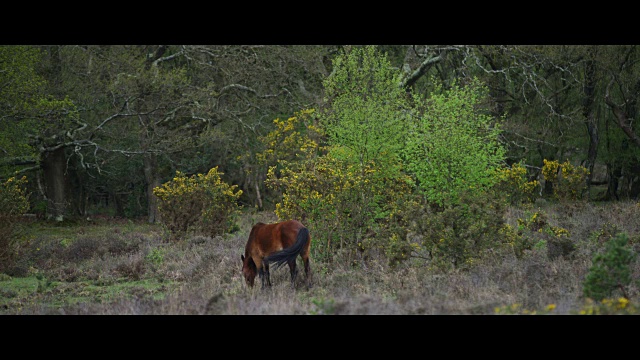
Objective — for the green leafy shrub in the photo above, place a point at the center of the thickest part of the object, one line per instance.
(323, 306)
(202, 204)
(155, 256)
(368, 112)
(13, 204)
(453, 146)
(611, 271)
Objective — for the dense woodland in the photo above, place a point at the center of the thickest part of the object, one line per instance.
(390, 149)
(96, 128)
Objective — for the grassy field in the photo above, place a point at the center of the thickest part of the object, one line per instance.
(112, 266)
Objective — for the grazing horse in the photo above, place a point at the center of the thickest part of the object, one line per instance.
(277, 243)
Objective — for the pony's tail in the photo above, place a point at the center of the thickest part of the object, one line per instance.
(285, 255)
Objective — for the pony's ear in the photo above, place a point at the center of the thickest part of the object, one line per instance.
(242, 257)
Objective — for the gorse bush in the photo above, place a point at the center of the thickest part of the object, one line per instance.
(518, 309)
(568, 180)
(201, 204)
(535, 232)
(604, 233)
(14, 203)
(293, 139)
(611, 271)
(513, 183)
(13, 197)
(346, 204)
(619, 306)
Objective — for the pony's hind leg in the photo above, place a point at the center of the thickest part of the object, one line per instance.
(294, 271)
(267, 273)
(261, 274)
(307, 271)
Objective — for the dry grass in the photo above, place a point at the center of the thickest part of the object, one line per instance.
(127, 268)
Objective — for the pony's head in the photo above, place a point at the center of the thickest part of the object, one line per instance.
(249, 270)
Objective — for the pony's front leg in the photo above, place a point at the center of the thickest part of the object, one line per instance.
(261, 275)
(265, 279)
(264, 276)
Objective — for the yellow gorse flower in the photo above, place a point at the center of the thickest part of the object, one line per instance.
(202, 201)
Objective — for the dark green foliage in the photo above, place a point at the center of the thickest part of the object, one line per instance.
(455, 235)
(13, 204)
(610, 272)
(535, 232)
(20, 86)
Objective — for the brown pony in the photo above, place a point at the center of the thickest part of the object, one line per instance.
(277, 243)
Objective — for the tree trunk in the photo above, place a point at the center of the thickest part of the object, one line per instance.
(590, 120)
(256, 184)
(117, 203)
(53, 168)
(614, 172)
(151, 178)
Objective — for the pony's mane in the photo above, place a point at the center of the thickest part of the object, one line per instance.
(252, 236)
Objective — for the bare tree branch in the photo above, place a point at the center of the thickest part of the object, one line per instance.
(622, 119)
(248, 89)
(421, 70)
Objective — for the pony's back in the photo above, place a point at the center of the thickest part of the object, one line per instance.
(289, 254)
